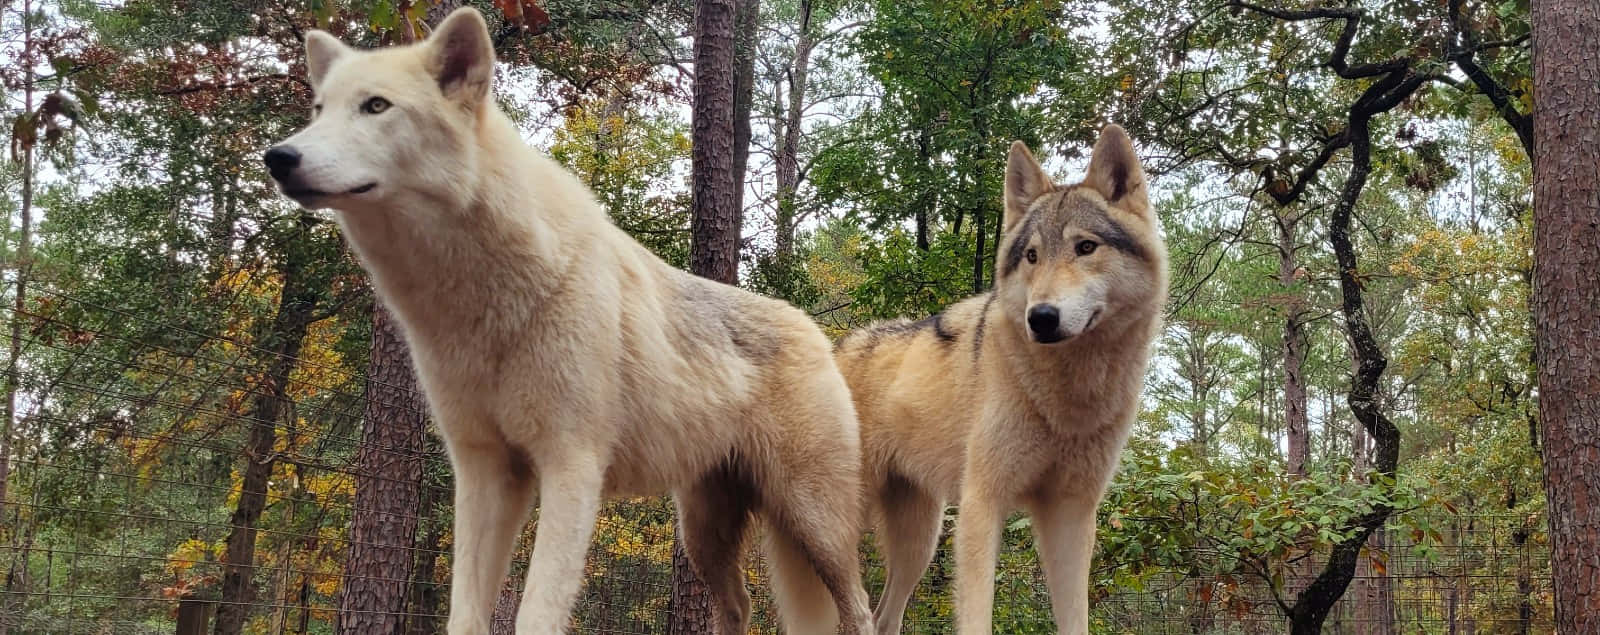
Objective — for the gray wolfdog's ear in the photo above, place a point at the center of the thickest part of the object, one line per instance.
(1115, 172)
(321, 50)
(463, 55)
(1025, 181)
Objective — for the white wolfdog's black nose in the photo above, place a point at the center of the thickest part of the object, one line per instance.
(281, 160)
(1044, 319)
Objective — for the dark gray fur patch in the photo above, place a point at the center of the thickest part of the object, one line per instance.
(1049, 221)
(977, 332)
(1019, 243)
(873, 336)
(704, 306)
(936, 321)
(1116, 236)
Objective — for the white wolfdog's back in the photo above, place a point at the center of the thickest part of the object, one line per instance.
(559, 354)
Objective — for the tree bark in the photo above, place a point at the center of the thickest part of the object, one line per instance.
(1566, 295)
(714, 224)
(689, 607)
(926, 194)
(1294, 348)
(720, 150)
(1375, 615)
(745, 17)
(22, 266)
(788, 159)
(377, 571)
(281, 341)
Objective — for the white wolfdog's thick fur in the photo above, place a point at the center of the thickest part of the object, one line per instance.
(1007, 409)
(563, 362)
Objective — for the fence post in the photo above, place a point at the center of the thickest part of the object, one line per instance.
(194, 615)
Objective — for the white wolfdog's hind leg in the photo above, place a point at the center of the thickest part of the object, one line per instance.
(822, 531)
(714, 516)
(1063, 532)
(805, 606)
(492, 497)
(569, 503)
(909, 535)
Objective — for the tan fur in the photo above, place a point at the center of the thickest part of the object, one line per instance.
(968, 405)
(563, 362)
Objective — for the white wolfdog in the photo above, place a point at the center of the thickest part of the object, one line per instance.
(566, 363)
(1019, 398)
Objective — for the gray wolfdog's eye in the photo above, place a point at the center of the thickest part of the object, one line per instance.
(374, 105)
(1033, 256)
(1086, 247)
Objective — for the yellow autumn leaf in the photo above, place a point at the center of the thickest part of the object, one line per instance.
(188, 553)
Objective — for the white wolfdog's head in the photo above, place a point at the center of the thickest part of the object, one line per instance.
(394, 128)
(1079, 256)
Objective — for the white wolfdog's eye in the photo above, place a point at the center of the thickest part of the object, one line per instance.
(374, 105)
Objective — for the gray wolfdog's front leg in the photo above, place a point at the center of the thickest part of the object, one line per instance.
(1063, 532)
(570, 490)
(491, 502)
(978, 524)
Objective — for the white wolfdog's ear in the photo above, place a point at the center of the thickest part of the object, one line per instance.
(321, 51)
(463, 55)
(1115, 171)
(1025, 181)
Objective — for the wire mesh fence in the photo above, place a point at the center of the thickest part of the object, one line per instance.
(132, 440)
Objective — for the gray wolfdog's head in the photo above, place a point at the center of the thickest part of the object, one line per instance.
(394, 128)
(1077, 258)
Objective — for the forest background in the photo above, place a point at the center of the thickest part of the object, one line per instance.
(1340, 429)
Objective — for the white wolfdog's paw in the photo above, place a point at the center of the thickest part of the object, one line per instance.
(466, 625)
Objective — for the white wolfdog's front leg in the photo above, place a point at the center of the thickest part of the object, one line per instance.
(1063, 531)
(569, 502)
(492, 501)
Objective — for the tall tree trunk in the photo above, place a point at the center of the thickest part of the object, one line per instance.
(1566, 295)
(788, 159)
(1294, 347)
(720, 150)
(714, 224)
(1375, 614)
(282, 341)
(1295, 419)
(1519, 539)
(746, 15)
(383, 530)
(926, 194)
(1364, 594)
(22, 267)
(690, 611)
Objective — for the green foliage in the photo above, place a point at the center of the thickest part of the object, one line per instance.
(1174, 510)
(960, 79)
(627, 157)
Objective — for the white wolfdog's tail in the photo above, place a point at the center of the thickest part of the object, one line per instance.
(804, 604)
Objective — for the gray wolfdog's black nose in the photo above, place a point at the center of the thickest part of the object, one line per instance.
(281, 160)
(1044, 319)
